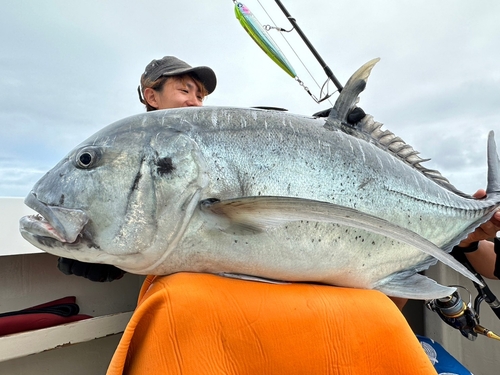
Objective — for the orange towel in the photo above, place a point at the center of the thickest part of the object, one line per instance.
(205, 324)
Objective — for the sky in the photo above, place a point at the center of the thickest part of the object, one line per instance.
(69, 68)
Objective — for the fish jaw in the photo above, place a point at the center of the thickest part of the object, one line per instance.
(63, 225)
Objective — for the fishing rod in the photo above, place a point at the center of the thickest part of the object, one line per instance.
(325, 67)
(465, 317)
(459, 315)
(484, 292)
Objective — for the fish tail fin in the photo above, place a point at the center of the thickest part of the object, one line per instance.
(492, 191)
(493, 167)
(349, 95)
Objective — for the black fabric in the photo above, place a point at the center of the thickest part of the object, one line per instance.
(90, 271)
(65, 310)
(459, 255)
(355, 116)
(496, 272)
(323, 113)
(469, 249)
(49, 314)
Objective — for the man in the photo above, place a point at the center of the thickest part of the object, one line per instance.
(171, 83)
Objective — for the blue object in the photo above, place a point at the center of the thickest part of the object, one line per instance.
(444, 362)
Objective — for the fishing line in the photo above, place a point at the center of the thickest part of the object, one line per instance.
(304, 38)
(281, 30)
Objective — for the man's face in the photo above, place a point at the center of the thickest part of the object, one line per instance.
(178, 93)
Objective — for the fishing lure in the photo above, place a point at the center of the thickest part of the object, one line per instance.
(259, 34)
(262, 37)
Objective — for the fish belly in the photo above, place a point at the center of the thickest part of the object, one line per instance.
(299, 251)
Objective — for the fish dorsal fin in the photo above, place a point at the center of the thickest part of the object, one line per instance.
(349, 95)
(371, 131)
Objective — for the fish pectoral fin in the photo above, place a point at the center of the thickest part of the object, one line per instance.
(241, 276)
(249, 215)
(415, 286)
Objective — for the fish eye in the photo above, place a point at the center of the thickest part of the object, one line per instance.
(85, 158)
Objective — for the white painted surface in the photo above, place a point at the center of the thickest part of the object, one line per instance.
(32, 279)
(34, 342)
(12, 209)
(87, 358)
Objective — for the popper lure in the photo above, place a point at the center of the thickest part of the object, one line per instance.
(262, 37)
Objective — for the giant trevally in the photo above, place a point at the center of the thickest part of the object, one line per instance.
(261, 193)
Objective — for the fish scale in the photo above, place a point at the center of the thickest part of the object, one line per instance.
(402, 185)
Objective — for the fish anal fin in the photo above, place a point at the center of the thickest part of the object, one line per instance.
(258, 279)
(413, 287)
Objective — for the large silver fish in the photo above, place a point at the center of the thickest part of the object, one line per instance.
(259, 193)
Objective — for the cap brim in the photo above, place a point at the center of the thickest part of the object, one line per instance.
(204, 74)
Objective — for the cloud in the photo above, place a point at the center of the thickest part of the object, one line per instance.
(73, 67)
(17, 178)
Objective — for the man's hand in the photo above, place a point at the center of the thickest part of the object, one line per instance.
(485, 231)
(477, 250)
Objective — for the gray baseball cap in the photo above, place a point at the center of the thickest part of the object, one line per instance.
(172, 66)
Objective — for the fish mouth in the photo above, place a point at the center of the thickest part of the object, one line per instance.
(61, 224)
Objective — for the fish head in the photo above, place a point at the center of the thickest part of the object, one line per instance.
(121, 197)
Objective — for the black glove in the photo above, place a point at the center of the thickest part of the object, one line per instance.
(323, 113)
(91, 271)
(356, 115)
(496, 272)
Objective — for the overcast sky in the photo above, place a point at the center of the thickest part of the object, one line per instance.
(68, 68)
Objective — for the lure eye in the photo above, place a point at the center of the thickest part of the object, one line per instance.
(85, 159)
